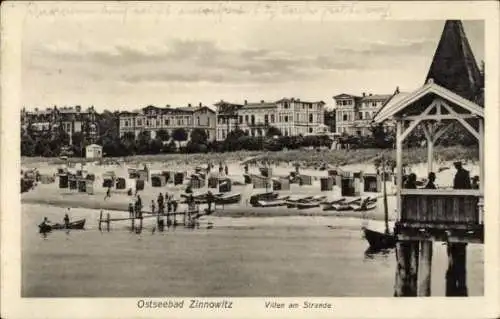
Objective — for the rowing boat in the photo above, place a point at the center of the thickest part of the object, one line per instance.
(77, 224)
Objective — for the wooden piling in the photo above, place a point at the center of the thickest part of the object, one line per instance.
(140, 223)
(100, 221)
(406, 269)
(456, 275)
(132, 223)
(425, 269)
(108, 222)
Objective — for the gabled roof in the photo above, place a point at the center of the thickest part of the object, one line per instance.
(400, 101)
(346, 96)
(454, 66)
(376, 97)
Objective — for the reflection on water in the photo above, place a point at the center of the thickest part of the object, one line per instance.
(371, 253)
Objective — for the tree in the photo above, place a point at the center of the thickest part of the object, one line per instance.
(155, 146)
(179, 135)
(199, 136)
(163, 135)
(143, 141)
(273, 131)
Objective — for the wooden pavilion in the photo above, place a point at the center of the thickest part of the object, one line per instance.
(452, 93)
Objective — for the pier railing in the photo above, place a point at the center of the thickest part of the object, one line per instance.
(441, 214)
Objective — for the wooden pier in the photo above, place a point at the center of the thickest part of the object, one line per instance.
(136, 222)
(454, 216)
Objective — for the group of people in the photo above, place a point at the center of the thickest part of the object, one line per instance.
(461, 180)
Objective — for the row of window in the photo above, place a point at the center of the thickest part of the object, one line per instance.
(186, 120)
(287, 131)
(351, 102)
(347, 116)
(271, 118)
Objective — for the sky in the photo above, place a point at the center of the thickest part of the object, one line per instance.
(129, 59)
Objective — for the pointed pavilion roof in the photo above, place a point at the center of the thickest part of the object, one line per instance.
(454, 66)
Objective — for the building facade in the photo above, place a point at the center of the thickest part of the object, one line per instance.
(354, 114)
(153, 119)
(289, 115)
(70, 119)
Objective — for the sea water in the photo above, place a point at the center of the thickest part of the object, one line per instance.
(239, 257)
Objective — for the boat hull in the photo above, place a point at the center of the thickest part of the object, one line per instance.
(79, 224)
(378, 240)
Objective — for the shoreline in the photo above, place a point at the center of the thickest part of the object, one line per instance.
(235, 211)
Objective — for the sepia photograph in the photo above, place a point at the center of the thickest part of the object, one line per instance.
(233, 150)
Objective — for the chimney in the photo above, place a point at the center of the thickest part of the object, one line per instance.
(261, 101)
(298, 100)
(371, 94)
(246, 102)
(199, 104)
(168, 105)
(189, 105)
(397, 90)
(364, 94)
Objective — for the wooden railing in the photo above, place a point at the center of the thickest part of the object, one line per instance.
(441, 206)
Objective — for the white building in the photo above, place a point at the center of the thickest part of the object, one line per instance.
(291, 116)
(93, 151)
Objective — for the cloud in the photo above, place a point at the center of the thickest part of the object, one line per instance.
(206, 61)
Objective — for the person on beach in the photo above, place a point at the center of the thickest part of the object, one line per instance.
(152, 207)
(246, 168)
(169, 206)
(430, 181)
(221, 169)
(174, 206)
(462, 177)
(475, 182)
(66, 220)
(210, 199)
(226, 169)
(129, 193)
(131, 210)
(108, 193)
(160, 204)
(411, 181)
(189, 190)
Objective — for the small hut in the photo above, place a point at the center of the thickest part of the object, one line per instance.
(372, 183)
(261, 182)
(281, 184)
(225, 185)
(326, 183)
(63, 181)
(197, 181)
(305, 180)
(178, 178)
(158, 180)
(121, 183)
(167, 175)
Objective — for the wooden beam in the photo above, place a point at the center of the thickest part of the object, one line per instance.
(439, 117)
(418, 119)
(456, 277)
(440, 132)
(462, 121)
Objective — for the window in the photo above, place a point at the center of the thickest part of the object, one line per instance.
(360, 115)
(374, 103)
(253, 119)
(310, 118)
(198, 120)
(266, 118)
(139, 122)
(246, 118)
(208, 121)
(158, 123)
(345, 117)
(310, 130)
(358, 132)
(272, 118)
(167, 122)
(241, 119)
(223, 134)
(286, 105)
(286, 118)
(147, 122)
(310, 106)
(367, 116)
(126, 123)
(178, 122)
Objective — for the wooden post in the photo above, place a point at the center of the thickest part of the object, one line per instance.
(100, 221)
(132, 223)
(399, 164)
(108, 221)
(456, 278)
(406, 269)
(425, 269)
(140, 223)
(413, 270)
(430, 153)
(481, 154)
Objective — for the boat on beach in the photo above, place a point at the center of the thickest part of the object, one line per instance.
(292, 202)
(268, 196)
(361, 208)
(77, 224)
(227, 199)
(378, 240)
